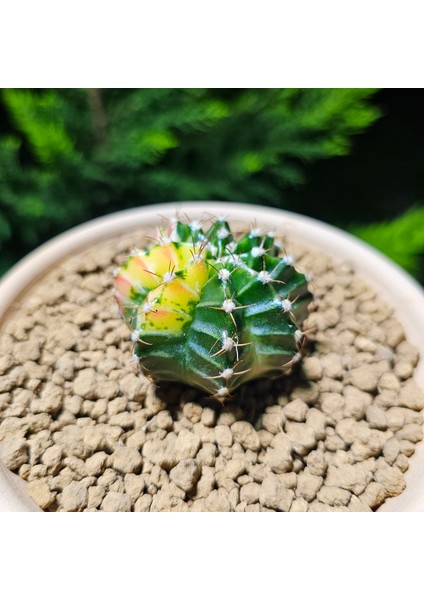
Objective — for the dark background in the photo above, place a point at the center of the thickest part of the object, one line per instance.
(384, 173)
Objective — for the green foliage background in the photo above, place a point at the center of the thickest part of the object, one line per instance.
(70, 155)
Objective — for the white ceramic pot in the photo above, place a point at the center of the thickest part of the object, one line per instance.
(395, 286)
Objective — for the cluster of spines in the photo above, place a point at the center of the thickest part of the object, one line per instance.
(245, 321)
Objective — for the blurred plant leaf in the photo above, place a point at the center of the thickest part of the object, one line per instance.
(401, 239)
(70, 155)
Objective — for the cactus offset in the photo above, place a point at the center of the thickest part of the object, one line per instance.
(211, 311)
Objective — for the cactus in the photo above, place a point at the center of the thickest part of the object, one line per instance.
(211, 311)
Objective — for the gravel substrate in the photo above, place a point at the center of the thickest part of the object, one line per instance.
(88, 433)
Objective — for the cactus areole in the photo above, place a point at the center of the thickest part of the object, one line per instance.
(210, 310)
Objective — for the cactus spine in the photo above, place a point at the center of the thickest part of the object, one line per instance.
(211, 311)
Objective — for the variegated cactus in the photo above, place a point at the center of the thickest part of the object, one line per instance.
(211, 311)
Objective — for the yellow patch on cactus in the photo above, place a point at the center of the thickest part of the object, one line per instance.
(196, 275)
(137, 273)
(175, 295)
(173, 276)
(184, 253)
(163, 319)
(161, 259)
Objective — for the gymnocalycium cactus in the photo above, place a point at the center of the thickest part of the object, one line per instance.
(211, 311)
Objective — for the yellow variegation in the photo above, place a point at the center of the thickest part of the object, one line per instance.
(171, 277)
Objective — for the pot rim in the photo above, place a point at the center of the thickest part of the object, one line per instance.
(392, 283)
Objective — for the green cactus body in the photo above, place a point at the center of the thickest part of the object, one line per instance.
(211, 311)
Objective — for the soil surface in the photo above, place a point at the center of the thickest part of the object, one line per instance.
(88, 432)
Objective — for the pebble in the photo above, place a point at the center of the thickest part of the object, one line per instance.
(234, 468)
(116, 406)
(391, 450)
(39, 491)
(312, 368)
(164, 420)
(353, 478)
(250, 493)
(192, 411)
(207, 454)
(407, 448)
(403, 369)
(279, 455)
(96, 493)
(388, 381)
(301, 436)
(316, 463)
(296, 410)
(391, 479)
(73, 404)
(308, 485)
(272, 423)
(364, 378)
(208, 417)
(166, 502)
(373, 495)
(411, 432)
(206, 434)
(52, 458)
(245, 434)
(234, 498)
(14, 452)
(6, 363)
(376, 417)
(206, 483)
(332, 404)
(85, 384)
(134, 388)
(308, 392)
(185, 474)
(116, 502)
(65, 366)
(258, 472)
(218, 501)
(83, 318)
(187, 445)
(65, 477)
(51, 399)
(127, 460)
(125, 420)
(334, 496)
(223, 435)
(332, 366)
(395, 418)
(161, 452)
(299, 505)
(134, 485)
(402, 463)
(394, 333)
(274, 494)
(158, 476)
(357, 505)
(29, 350)
(411, 396)
(95, 465)
(74, 497)
(355, 402)
(143, 503)
(316, 420)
